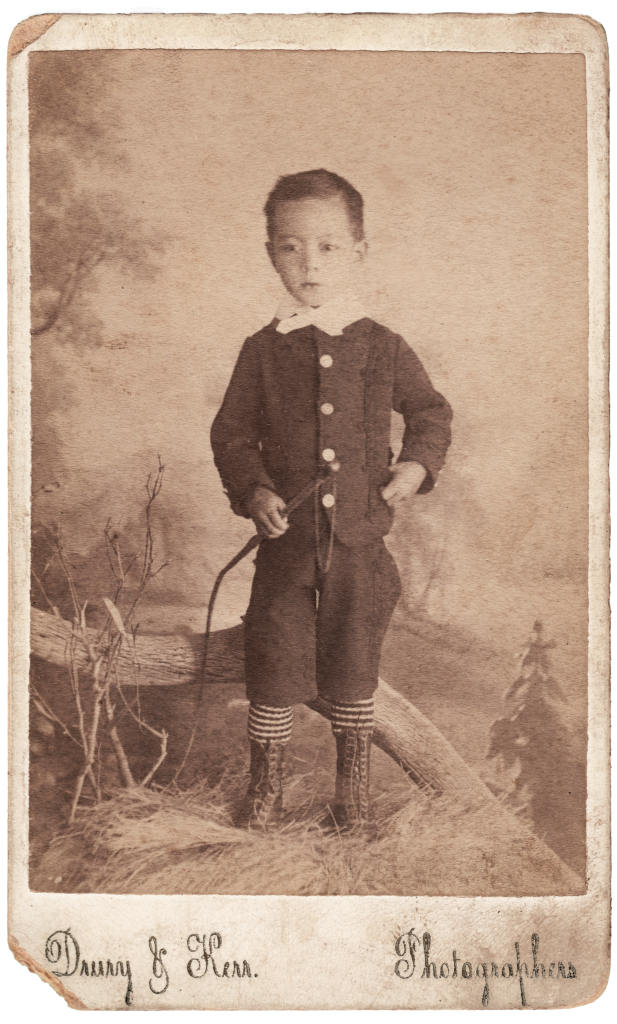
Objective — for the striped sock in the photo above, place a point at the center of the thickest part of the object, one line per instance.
(357, 715)
(267, 723)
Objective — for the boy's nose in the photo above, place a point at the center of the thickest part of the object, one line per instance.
(311, 261)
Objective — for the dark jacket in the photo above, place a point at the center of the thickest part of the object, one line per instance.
(295, 398)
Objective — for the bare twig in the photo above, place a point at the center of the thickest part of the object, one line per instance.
(69, 578)
(92, 740)
(108, 661)
(109, 549)
(155, 572)
(44, 709)
(136, 716)
(74, 680)
(157, 764)
(52, 607)
(161, 734)
(123, 762)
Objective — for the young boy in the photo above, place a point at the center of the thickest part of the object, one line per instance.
(311, 392)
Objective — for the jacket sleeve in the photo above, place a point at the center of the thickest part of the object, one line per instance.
(427, 416)
(236, 432)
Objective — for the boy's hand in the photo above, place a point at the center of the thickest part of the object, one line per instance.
(267, 510)
(406, 478)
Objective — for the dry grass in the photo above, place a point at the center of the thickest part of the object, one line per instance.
(148, 841)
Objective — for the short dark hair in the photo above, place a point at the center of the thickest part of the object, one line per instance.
(321, 184)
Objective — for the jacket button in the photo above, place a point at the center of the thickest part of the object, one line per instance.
(328, 500)
(326, 360)
(328, 455)
(327, 408)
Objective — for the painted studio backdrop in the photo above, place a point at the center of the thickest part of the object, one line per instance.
(149, 170)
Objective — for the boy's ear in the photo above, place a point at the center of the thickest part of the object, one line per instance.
(270, 251)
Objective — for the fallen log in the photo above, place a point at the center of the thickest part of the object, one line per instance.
(401, 730)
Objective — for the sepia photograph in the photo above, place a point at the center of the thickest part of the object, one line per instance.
(309, 394)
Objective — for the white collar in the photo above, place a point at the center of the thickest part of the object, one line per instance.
(331, 318)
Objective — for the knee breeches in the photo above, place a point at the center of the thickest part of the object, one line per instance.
(323, 638)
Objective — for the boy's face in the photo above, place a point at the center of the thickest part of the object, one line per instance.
(313, 249)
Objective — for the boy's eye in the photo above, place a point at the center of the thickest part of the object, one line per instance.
(287, 247)
(329, 247)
